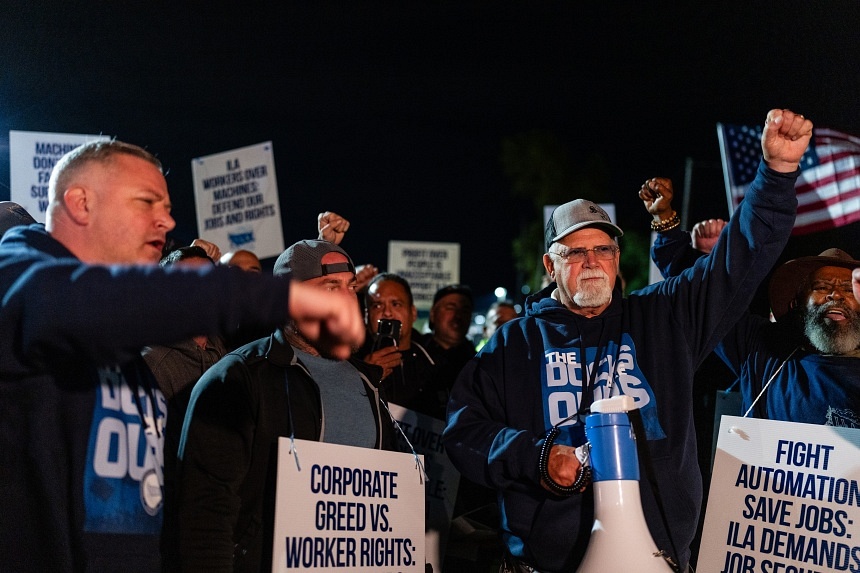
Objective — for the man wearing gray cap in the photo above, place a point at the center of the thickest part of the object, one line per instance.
(281, 385)
(517, 411)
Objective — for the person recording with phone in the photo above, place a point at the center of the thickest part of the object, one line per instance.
(408, 369)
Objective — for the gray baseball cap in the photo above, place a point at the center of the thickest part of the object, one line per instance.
(303, 260)
(575, 215)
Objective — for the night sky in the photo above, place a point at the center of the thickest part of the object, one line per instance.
(393, 113)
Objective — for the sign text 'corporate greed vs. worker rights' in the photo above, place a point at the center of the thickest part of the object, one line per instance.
(784, 498)
(341, 508)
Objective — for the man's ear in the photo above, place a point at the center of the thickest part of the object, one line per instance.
(548, 265)
(414, 313)
(75, 202)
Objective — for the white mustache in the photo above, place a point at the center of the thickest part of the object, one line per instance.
(592, 274)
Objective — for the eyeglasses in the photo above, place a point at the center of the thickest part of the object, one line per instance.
(601, 252)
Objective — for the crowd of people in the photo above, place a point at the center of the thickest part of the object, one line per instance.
(141, 401)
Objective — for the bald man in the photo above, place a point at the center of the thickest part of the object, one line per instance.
(245, 260)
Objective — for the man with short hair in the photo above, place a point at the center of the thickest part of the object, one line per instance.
(407, 367)
(517, 411)
(280, 386)
(450, 318)
(83, 421)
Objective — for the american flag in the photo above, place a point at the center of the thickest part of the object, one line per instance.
(828, 189)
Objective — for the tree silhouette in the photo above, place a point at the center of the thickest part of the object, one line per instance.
(542, 172)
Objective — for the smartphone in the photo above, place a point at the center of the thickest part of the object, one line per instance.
(387, 333)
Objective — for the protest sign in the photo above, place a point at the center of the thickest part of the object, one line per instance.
(341, 508)
(32, 156)
(427, 266)
(425, 435)
(784, 498)
(236, 194)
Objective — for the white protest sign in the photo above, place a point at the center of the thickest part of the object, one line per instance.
(341, 508)
(784, 498)
(32, 156)
(427, 266)
(425, 435)
(236, 194)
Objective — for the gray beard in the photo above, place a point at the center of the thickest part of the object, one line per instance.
(830, 337)
(594, 296)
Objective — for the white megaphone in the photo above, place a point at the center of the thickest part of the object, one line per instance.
(620, 541)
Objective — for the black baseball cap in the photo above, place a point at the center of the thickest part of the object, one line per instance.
(11, 215)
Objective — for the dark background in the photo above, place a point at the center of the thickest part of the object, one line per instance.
(392, 113)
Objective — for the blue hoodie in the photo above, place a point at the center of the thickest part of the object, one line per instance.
(805, 385)
(530, 376)
(78, 470)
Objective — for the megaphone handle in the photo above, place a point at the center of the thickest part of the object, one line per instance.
(583, 475)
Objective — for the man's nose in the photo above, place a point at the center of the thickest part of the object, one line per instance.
(166, 221)
(590, 258)
(835, 294)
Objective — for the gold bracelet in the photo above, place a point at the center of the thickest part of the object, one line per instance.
(666, 225)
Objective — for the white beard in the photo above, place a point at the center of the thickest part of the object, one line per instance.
(592, 294)
(830, 337)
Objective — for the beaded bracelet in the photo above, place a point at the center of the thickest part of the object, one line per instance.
(583, 476)
(666, 225)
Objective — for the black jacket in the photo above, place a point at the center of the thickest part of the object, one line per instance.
(413, 385)
(227, 473)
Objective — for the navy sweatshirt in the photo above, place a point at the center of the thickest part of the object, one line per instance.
(807, 386)
(530, 376)
(82, 421)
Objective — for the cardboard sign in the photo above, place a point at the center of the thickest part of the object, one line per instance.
(341, 508)
(784, 498)
(236, 194)
(32, 156)
(427, 266)
(425, 435)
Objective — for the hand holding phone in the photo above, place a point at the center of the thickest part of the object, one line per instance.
(387, 333)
